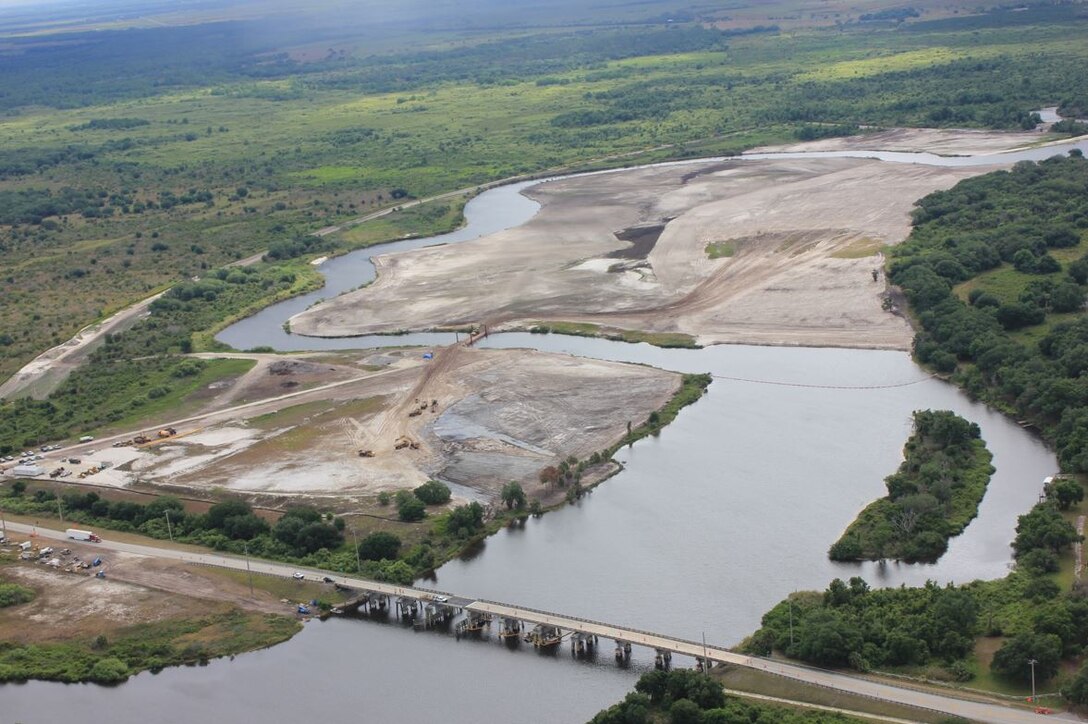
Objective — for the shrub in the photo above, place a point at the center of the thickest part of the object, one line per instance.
(109, 671)
(12, 594)
(410, 508)
(379, 546)
(433, 492)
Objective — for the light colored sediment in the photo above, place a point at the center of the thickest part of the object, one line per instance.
(501, 415)
(791, 220)
(941, 141)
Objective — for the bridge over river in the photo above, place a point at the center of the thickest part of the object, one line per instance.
(580, 628)
(569, 626)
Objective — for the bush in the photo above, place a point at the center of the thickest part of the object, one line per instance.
(410, 508)
(379, 546)
(12, 594)
(109, 671)
(433, 492)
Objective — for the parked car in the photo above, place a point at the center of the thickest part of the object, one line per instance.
(298, 575)
(329, 579)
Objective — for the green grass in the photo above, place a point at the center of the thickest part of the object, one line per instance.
(429, 219)
(180, 401)
(320, 152)
(111, 659)
(720, 249)
(585, 329)
(744, 679)
(860, 249)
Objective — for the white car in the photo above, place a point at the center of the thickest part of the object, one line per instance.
(298, 575)
(442, 599)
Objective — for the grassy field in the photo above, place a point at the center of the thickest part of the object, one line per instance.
(737, 678)
(184, 176)
(585, 329)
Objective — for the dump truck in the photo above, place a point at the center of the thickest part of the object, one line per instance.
(83, 535)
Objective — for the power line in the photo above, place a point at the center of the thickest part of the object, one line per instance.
(821, 387)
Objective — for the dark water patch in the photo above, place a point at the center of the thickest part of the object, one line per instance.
(642, 240)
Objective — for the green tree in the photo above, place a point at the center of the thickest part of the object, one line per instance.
(1011, 660)
(219, 512)
(464, 520)
(18, 488)
(1065, 492)
(378, 546)
(1043, 527)
(513, 495)
(410, 508)
(433, 492)
(1076, 689)
(684, 711)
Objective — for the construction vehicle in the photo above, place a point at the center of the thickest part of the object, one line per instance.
(167, 432)
(366, 453)
(141, 439)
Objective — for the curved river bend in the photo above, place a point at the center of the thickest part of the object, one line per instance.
(730, 509)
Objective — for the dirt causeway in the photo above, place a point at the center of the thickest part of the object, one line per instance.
(804, 234)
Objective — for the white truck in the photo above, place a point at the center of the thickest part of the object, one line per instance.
(83, 535)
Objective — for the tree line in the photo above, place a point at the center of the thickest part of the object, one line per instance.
(1007, 222)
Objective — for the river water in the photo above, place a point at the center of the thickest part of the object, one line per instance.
(728, 510)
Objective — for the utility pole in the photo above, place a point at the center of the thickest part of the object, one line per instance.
(169, 528)
(358, 562)
(1032, 663)
(706, 658)
(249, 573)
(3, 525)
(59, 511)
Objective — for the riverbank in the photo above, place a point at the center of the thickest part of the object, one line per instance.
(79, 628)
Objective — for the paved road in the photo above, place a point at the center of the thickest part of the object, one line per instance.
(978, 711)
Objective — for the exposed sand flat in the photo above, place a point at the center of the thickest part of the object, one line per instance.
(941, 141)
(796, 226)
(500, 415)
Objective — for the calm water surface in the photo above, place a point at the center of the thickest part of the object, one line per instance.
(730, 509)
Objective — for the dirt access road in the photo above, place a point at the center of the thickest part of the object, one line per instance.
(44, 373)
(628, 249)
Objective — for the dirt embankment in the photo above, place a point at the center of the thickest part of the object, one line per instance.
(478, 418)
(136, 590)
(803, 236)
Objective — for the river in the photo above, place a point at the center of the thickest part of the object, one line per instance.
(727, 511)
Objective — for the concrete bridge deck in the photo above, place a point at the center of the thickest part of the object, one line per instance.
(974, 710)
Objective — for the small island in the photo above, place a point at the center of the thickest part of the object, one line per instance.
(931, 498)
